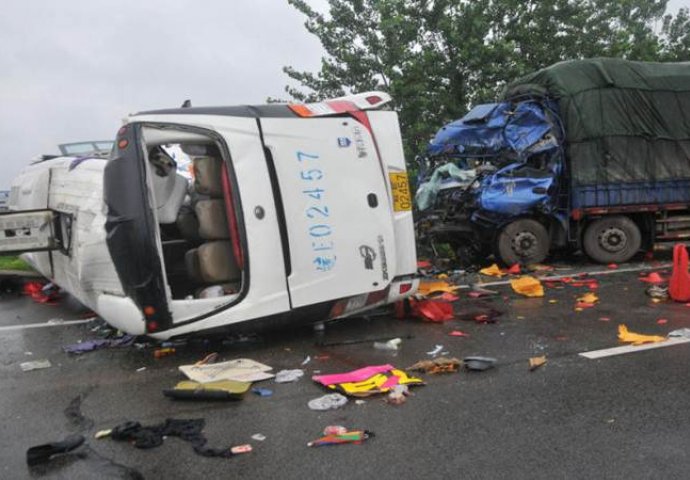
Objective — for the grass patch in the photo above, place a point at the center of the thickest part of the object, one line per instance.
(14, 263)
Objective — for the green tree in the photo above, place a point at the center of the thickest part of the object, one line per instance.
(438, 57)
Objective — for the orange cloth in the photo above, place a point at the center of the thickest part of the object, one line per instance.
(492, 271)
(624, 335)
(528, 286)
(427, 287)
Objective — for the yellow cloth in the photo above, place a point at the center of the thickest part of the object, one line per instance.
(492, 271)
(624, 335)
(528, 286)
(374, 384)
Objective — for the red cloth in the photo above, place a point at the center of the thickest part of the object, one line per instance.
(679, 285)
(433, 310)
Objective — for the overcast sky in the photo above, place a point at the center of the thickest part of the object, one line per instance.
(70, 70)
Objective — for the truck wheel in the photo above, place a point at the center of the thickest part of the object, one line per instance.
(612, 239)
(523, 241)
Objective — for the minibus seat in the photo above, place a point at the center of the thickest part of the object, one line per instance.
(213, 221)
(191, 261)
(217, 263)
(188, 224)
(207, 176)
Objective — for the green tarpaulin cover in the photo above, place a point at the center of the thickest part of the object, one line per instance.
(625, 121)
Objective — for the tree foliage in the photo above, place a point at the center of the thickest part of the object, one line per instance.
(438, 57)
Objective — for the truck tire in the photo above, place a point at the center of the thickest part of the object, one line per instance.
(524, 241)
(613, 239)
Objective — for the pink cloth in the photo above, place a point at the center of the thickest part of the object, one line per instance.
(351, 377)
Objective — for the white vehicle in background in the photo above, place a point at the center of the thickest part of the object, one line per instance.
(296, 213)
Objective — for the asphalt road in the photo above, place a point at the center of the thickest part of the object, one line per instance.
(617, 417)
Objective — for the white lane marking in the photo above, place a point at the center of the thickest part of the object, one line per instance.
(50, 323)
(609, 352)
(574, 274)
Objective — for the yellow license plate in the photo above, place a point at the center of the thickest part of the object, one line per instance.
(402, 200)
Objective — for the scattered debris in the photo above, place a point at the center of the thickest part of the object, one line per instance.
(210, 358)
(354, 436)
(662, 321)
(363, 340)
(391, 345)
(437, 349)
(217, 390)
(536, 362)
(102, 434)
(429, 287)
(141, 369)
(432, 310)
(163, 352)
(41, 292)
(479, 291)
(588, 297)
(680, 333)
(334, 430)
(492, 271)
(97, 344)
(438, 365)
(43, 453)
(624, 335)
(612, 266)
(527, 286)
(657, 292)
(653, 277)
(398, 395)
(35, 365)
(478, 364)
(238, 449)
(448, 297)
(588, 300)
(262, 392)
(240, 370)
(331, 401)
(187, 430)
(458, 333)
(367, 381)
(259, 437)
(514, 269)
(287, 376)
(307, 359)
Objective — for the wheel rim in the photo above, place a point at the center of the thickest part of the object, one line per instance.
(613, 240)
(525, 244)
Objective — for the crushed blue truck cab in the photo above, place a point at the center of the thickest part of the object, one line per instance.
(587, 154)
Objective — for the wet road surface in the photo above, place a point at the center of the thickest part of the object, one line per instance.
(616, 417)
